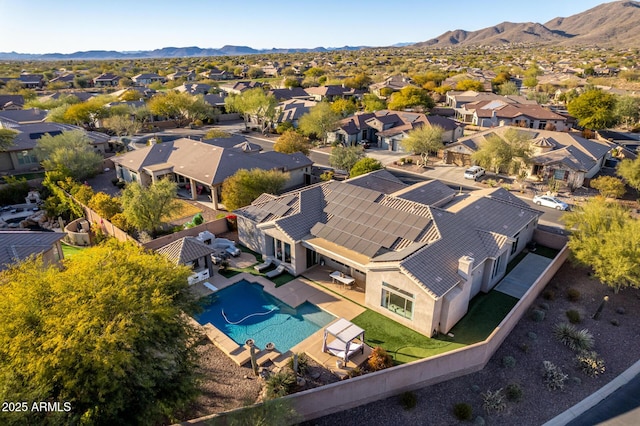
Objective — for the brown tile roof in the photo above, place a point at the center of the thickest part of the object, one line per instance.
(185, 250)
(16, 246)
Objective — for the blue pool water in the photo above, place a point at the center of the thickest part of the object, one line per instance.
(261, 317)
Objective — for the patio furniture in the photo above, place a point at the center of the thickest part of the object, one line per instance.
(343, 279)
(261, 267)
(275, 272)
(344, 345)
(210, 286)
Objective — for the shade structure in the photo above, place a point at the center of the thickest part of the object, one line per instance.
(344, 345)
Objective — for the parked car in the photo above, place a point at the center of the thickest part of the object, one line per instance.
(549, 201)
(233, 251)
(474, 172)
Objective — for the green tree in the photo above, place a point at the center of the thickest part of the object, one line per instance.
(360, 81)
(629, 170)
(594, 109)
(344, 158)
(504, 154)
(530, 82)
(122, 125)
(245, 186)
(70, 153)
(318, 121)
(292, 141)
(410, 97)
(182, 108)
(423, 140)
(609, 186)
(344, 107)
(372, 103)
(365, 165)
(82, 193)
(508, 88)
(469, 84)
(107, 332)
(216, 133)
(605, 237)
(627, 110)
(85, 114)
(6, 138)
(146, 208)
(253, 103)
(105, 205)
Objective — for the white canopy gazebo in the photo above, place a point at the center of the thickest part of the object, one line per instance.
(343, 345)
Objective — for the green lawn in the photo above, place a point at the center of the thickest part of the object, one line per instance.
(486, 311)
(402, 343)
(68, 251)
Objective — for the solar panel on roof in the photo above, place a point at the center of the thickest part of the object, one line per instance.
(369, 234)
(392, 227)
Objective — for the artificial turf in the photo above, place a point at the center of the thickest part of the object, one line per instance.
(68, 251)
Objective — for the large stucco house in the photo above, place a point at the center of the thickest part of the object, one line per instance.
(200, 168)
(419, 252)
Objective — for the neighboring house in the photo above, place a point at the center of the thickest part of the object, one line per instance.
(201, 167)
(82, 96)
(11, 102)
(106, 80)
(291, 93)
(194, 88)
(18, 246)
(480, 77)
(291, 111)
(216, 100)
(417, 264)
(567, 157)
(66, 79)
(186, 75)
(499, 113)
(146, 79)
(332, 92)
(32, 81)
(271, 70)
(387, 128)
(394, 83)
(217, 75)
(239, 87)
(456, 99)
(12, 118)
(191, 252)
(20, 157)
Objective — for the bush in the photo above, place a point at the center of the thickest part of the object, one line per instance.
(475, 388)
(354, 372)
(408, 400)
(514, 392)
(576, 340)
(615, 322)
(573, 295)
(280, 384)
(620, 310)
(508, 361)
(491, 182)
(544, 306)
(532, 335)
(479, 421)
(379, 359)
(553, 376)
(549, 295)
(573, 316)
(463, 411)
(493, 401)
(524, 347)
(609, 186)
(303, 363)
(15, 190)
(537, 315)
(590, 363)
(576, 380)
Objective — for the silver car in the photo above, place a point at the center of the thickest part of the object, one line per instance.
(549, 201)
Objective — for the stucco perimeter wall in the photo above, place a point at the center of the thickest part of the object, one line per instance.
(550, 239)
(216, 227)
(314, 403)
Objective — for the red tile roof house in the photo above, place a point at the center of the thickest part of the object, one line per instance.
(499, 113)
(201, 167)
(418, 264)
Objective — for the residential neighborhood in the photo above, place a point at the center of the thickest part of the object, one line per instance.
(436, 232)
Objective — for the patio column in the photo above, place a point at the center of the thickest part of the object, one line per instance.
(214, 196)
(194, 191)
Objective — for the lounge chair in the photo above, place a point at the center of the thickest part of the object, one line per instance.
(275, 272)
(261, 267)
(338, 348)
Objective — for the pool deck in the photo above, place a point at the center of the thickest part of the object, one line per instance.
(317, 289)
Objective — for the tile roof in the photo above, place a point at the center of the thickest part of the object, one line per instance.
(16, 246)
(379, 180)
(23, 116)
(185, 250)
(6, 100)
(28, 134)
(431, 193)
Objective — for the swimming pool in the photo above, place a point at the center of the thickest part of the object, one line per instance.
(244, 311)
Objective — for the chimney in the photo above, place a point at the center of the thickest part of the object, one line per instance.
(465, 266)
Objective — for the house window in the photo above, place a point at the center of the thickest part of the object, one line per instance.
(195, 264)
(558, 174)
(26, 157)
(287, 252)
(542, 124)
(514, 247)
(397, 300)
(496, 267)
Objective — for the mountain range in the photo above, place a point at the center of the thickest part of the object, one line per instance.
(609, 24)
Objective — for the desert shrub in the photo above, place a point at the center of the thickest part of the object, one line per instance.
(508, 361)
(493, 401)
(576, 380)
(544, 306)
(573, 316)
(463, 411)
(615, 322)
(573, 295)
(620, 310)
(280, 384)
(491, 182)
(354, 372)
(524, 347)
(479, 421)
(532, 335)
(379, 359)
(506, 186)
(475, 388)
(408, 400)
(548, 294)
(514, 392)
(576, 340)
(409, 160)
(590, 363)
(537, 315)
(553, 376)
(303, 363)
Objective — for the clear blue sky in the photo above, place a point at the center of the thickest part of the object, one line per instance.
(65, 26)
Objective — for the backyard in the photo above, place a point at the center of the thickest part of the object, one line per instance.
(68, 251)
